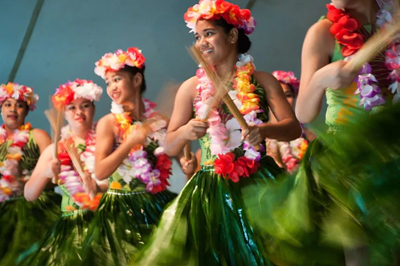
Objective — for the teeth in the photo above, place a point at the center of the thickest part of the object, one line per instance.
(207, 51)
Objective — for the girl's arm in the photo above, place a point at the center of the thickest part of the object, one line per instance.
(287, 127)
(107, 159)
(317, 73)
(182, 127)
(45, 169)
(42, 139)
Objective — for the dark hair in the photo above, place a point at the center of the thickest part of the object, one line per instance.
(291, 88)
(133, 71)
(244, 42)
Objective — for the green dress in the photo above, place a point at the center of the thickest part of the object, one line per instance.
(345, 194)
(62, 245)
(23, 223)
(125, 218)
(207, 223)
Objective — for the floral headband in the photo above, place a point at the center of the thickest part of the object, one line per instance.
(115, 61)
(80, 88)
(287, 78)
(216, 9)
(20, 93)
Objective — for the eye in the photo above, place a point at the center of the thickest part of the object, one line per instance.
(117, 79)
(86, 105)
(209, 33)
(71, 107)
(7, 104)
(108, 84)
(197, 37)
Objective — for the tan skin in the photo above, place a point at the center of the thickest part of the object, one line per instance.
(317, 73)
(13, 113)
(79, 115)
(273, 150)
(124, 89)
(220, 51)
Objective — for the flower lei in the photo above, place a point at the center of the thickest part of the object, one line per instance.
(79, 88)
(287, 78)
(18, 92)
(10, 181)
(345, 28)
(215, 9)
(292, 152)
(70, 178)
(116, 61)
(227, 137)
(155, 174)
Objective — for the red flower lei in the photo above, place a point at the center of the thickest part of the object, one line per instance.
(345, 28)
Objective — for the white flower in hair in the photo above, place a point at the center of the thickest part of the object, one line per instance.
(88, 91)
(17, 90)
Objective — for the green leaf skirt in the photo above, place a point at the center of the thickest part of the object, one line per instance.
(62, 244)
(346, 195)
(24, 223)
(122, 225)
(207, 223)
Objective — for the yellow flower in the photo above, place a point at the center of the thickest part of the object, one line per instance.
(70, 208)
(115, 185)
(14, 156)
(122, 57)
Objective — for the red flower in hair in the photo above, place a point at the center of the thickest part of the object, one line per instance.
(63, 96)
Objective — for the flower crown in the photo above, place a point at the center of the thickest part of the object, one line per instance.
(115, 61)
(19, 93)
(287, 78)
(80, 88)
(215, 9)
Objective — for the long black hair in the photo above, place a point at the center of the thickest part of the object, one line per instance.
(133, 71)
(244, 42)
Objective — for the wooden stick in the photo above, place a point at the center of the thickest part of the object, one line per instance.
(55, 118)
(376, 44)
(221, 86)
(73, 154)
(188, 155)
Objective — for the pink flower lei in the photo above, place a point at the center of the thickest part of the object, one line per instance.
(225, 138)
(154, 175)
(70, 178)
(10, 182)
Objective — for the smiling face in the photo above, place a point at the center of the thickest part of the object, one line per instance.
(122, 86)
(14, 113)
(79, 113)
(213, 42)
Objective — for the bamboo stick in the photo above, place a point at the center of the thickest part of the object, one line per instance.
(73, 154)
(222, 88)
(376, 44)
(55, 118)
